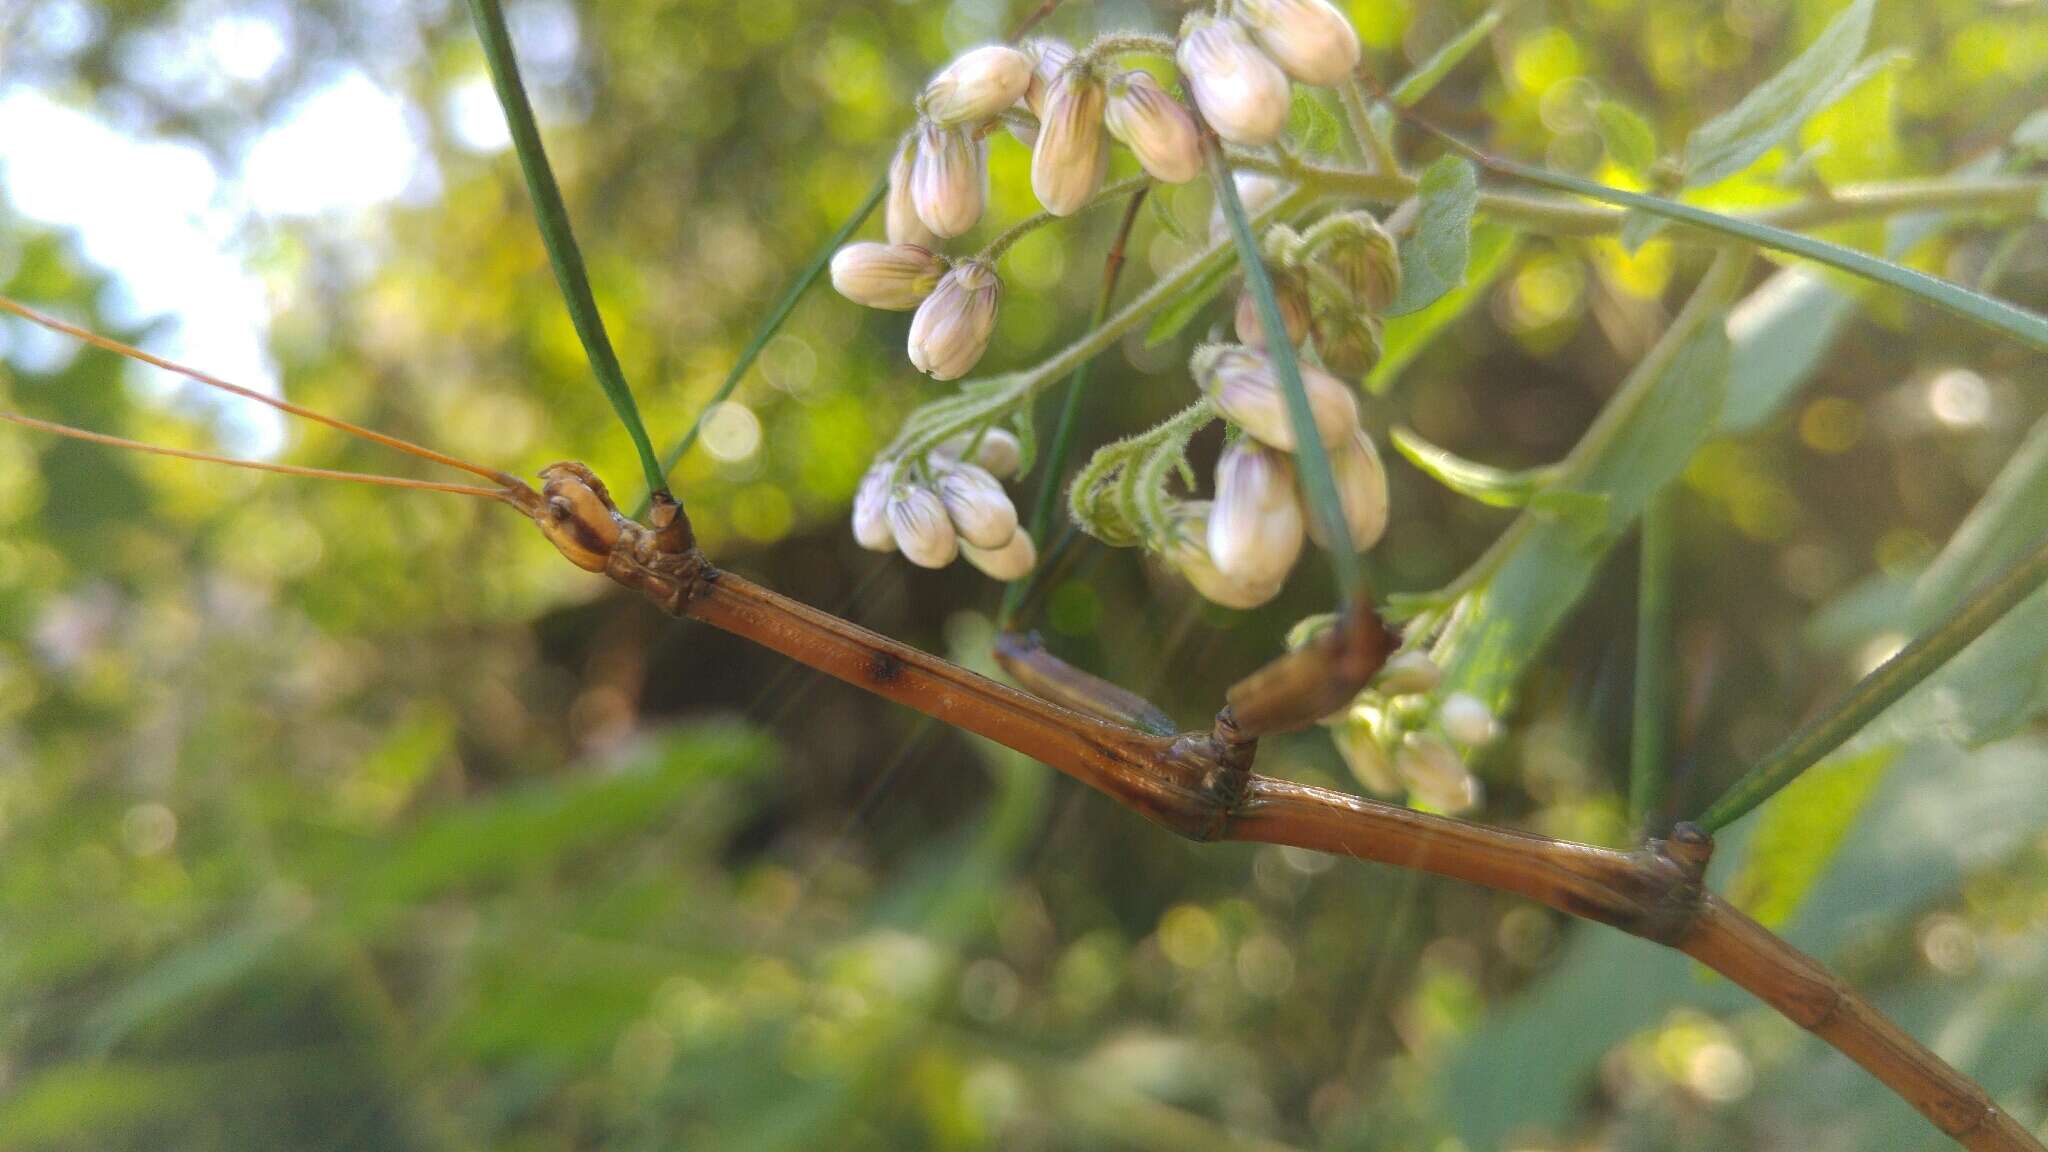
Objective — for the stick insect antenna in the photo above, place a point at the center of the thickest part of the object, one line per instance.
(133, 353)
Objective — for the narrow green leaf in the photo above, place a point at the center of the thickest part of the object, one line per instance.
(1797, 839)
(1163, 215)
(1434, 257)
(1411, 88)
(1630, 140)
(1494, 487)
(1403, 338)
(1648, 747)
(553, 217)
(1776, 108)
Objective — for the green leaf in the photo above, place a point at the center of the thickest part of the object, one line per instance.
(1311, 122)
(1161, 205)
(1189, 304)
(1411, 88)
(1550, 562)
(1433, 259)
(1403, 338)
(1495, 487)
(1798, 836)
(1639, 228)
(1776, 108)
(2031, 137)
(1630, 140)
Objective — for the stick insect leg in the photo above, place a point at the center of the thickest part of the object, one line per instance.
(1311, 682)
(1027, 661)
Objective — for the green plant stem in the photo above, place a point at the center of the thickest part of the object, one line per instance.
(1312, 460)
(1054, 464)
(1370, 143)
(1883, 687)
(819, 261)
(1128, 43)
(995, 249)
(1410, 90)
(1647, 734)
(553, 217)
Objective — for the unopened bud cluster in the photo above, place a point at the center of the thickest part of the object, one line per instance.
(1238, 66)
(957, 509)
(1400, 737)
(1331, 283)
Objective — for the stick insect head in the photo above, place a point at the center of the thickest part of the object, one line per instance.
(577, 515)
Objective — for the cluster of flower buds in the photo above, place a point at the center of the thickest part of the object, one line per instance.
(1331, 282)
(956, 304)
(1238, 66)
(959, 511)
(1238, 549)
(1398, 737)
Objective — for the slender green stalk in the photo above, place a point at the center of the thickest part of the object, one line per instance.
(1312, 460)
(1647, 735)
(995, 249)
(1054, 464)
(1417, 84)
(2016, 322)
(773, 322)
(1879, 690)
(1370, 143)
(553, 216)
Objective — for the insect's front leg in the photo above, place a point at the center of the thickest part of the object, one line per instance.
(1311, 682)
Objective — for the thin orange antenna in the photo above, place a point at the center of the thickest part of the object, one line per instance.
(69, 432)
(357, 430)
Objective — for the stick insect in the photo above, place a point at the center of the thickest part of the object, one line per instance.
(1198, 784)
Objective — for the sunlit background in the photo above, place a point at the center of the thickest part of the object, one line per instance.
(341, 817)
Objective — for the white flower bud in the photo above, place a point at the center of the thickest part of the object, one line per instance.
(1049, 58)
(1347, 340)
(1361, 492)
(1290, 294)
(1310, 39)
(1256, 191)
(1013, 561)
(871, 509)
(1157, 129)
(893, 276)
(977, 86)
(921, 528)
(1435, 775)
(1241, 92)
(1255, 530)
(1408, 673)
(1071, 156)
(1188, 552)
(1360, 747)
(952, 327)
(1466, 720)
(998, 451)
(899, 214)
(1244, 387)
(949, 179)
(981, 511)
(1364, 256)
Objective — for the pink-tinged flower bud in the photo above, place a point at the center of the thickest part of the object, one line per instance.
(949, 179)
(1360, 747)
(1361, 492)
(921, 528)
(1256, 191)
(1241, 92)
(1363, 255)
(998, 451)
(1255, 529)
(1244, 387)
(1013, 561)
(1347, 340)
(871, 509)
(1292, 296)
(1310, 39)
(1157, 129)
(1408, 673)
(1049, 58)
(1188, 553)
(1435, 775)
(1466, 720)
(981, 511)
(1072, 154)
(952, 327)
(977, 86)
(893, 276)
(899, 213)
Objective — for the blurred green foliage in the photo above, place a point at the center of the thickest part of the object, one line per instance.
(339, 817)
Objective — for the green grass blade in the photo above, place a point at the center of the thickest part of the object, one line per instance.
(1647, 743)
(775, 318)
(1874, 693)
(1319, 483)
(1996, 314)
(555, 232)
